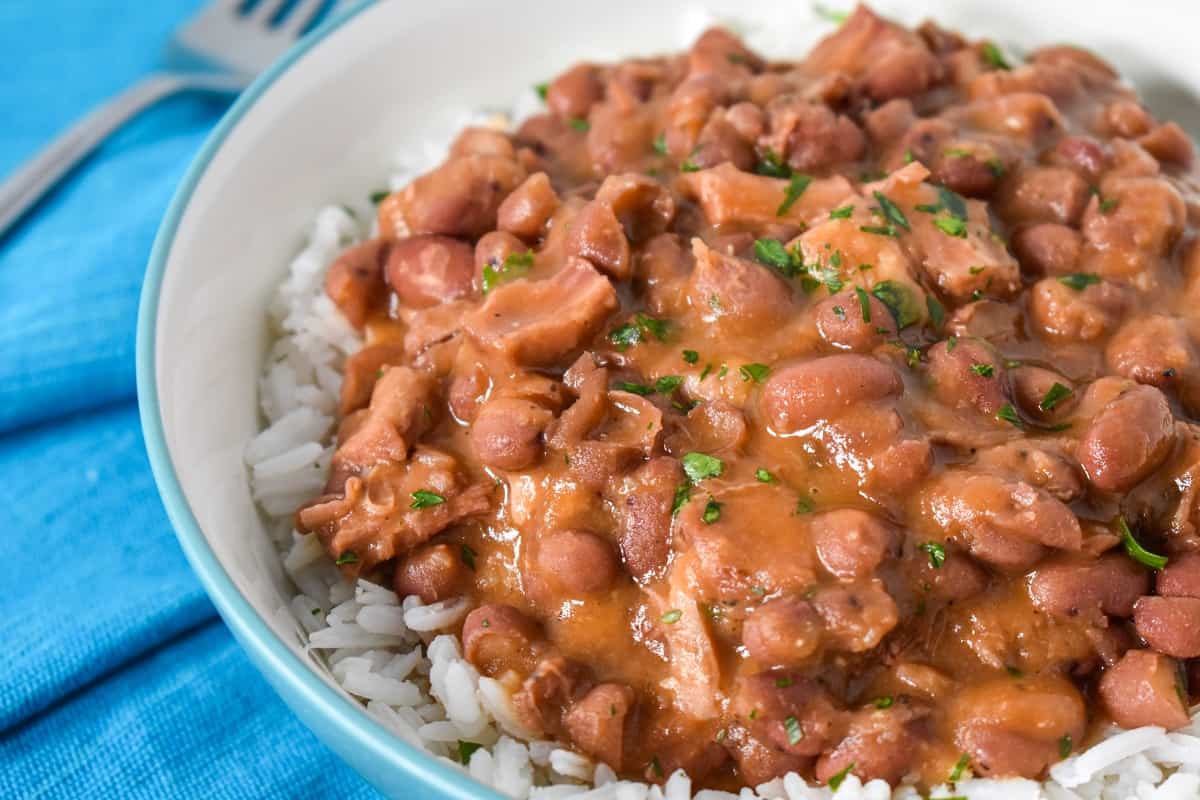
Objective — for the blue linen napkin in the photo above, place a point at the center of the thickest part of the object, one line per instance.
(119, 679)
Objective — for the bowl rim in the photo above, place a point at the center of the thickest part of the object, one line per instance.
(349, 724)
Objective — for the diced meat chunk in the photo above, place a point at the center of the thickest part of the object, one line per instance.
(545, 695)
(887, 60)
(402, 403)
(644, 520)
(434, 572)
(737, 296)
(544, 322)
(362, 369)
(799, 396)
(426, 271)
(810, 136)
(1144, 688)
(572, 94)
(598, 722)
(596, 235)
(1108, 585)
(728, 195)
(1127, 440)
(643, 206)
(1155, 349)
(1170, 625)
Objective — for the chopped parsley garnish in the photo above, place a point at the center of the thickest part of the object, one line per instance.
(466, 749)
(1054, 395)
(951, 226)
(656, 765)
(841, 213)
(864, 303)
(682, 493)
(541, 89)
(691, 356)
(839, 312)
(992, 56)
(667, 383)
(754, 372)
(689, 166)
(995, 166)
(722, 372)
(937, 312)
(796, 186)
(579, 123)
(1013, 672)
(635, 388)
(1065, 745)
(772, 165)
(791, 726)
(660, 144)
(899, 300)
(835, 782)
(909, 157)
(672, 616)
(514, 266)
(468, 556)
(983, 370)
(884, 702)
(880, 230)
(714, 303)
(783, 682)
(773, 254)
(956, 152)
(712, 512)
(348, 557)
(634, 332)
(804, 506)
(707, 369)
(763, 475)
(976, 270)
(378, 197)
(700, 466)
(1009, 414)
(423, 498)
(951, 343)
(1135, 549)
(891, 211)
(721, 734)
(1079, 280)
(936, 553)
(960, 767)
(1107, 205)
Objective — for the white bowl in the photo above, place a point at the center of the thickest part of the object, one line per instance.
(325, 125)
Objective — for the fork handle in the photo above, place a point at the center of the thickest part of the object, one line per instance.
(29, 183)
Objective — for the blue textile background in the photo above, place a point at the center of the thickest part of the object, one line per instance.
(119, 679)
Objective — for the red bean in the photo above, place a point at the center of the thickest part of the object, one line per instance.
(526, 211)
(841, 322)
(783, 632)
(801, 395)
(969, 375)
(1155, 350)
(1181, 577)
(644, 517)
(572, 94)
(1170, 625)
(1047, 248)
(355, 281)
(433, 572)
(426, 271)
(596, 234)
(498, 637)
(1109, 585)
(851, 543)
(577, 562)
(1127, 440)
(1143, 688)
(507, 433)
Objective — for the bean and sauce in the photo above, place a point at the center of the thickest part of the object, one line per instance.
(825, 416)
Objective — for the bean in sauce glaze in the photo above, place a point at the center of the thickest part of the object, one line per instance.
(819, 415)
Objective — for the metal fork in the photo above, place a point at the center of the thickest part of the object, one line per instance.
(219, 50)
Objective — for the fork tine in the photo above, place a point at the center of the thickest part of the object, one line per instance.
(299, 16)
(264, 12)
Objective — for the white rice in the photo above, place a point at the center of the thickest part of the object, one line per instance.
(392, 654)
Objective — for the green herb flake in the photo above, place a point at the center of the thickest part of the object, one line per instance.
(841, 213)
(1065, 745)
(689, 166)
(1079, 280)
(830, 15)
(791, 726)
(580, 124)
(379, 196)
(796, 185)
(712, 512)
(672, 616)
(1135, 550)
(667, 383)
(783, 681)
(835, 782)
(700, 466)
(951, 226)
(660, 144)
(1054, 395)
(937, 312)
(772, 165)
(996, 167)
(864, 303)
(983, 370)
(773, 254)
(951, 343)
(763, 475)
(683, 493)
(348, 557)
(515, 265)
(1009, 414)
(468, 556)
(691, 356)
(720, 737)
(891, 211)
(960, 767)
(899, 300)
(635, 388)
(1107, 205)
(656, 765)
(884, 702)
(423, 498)
(466, 749)
(839, 312)
(936, 553)
(879, 230)
(754, 372)
(1013, 672)
(804, 506)
(657, 328)
(992, 56)
(909, 157)
(952, 203)
(707, 369)
(541, 89)
(722, 372)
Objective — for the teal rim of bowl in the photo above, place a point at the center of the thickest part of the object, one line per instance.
(349, 724)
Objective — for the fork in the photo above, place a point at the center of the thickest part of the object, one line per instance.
(219, 50)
